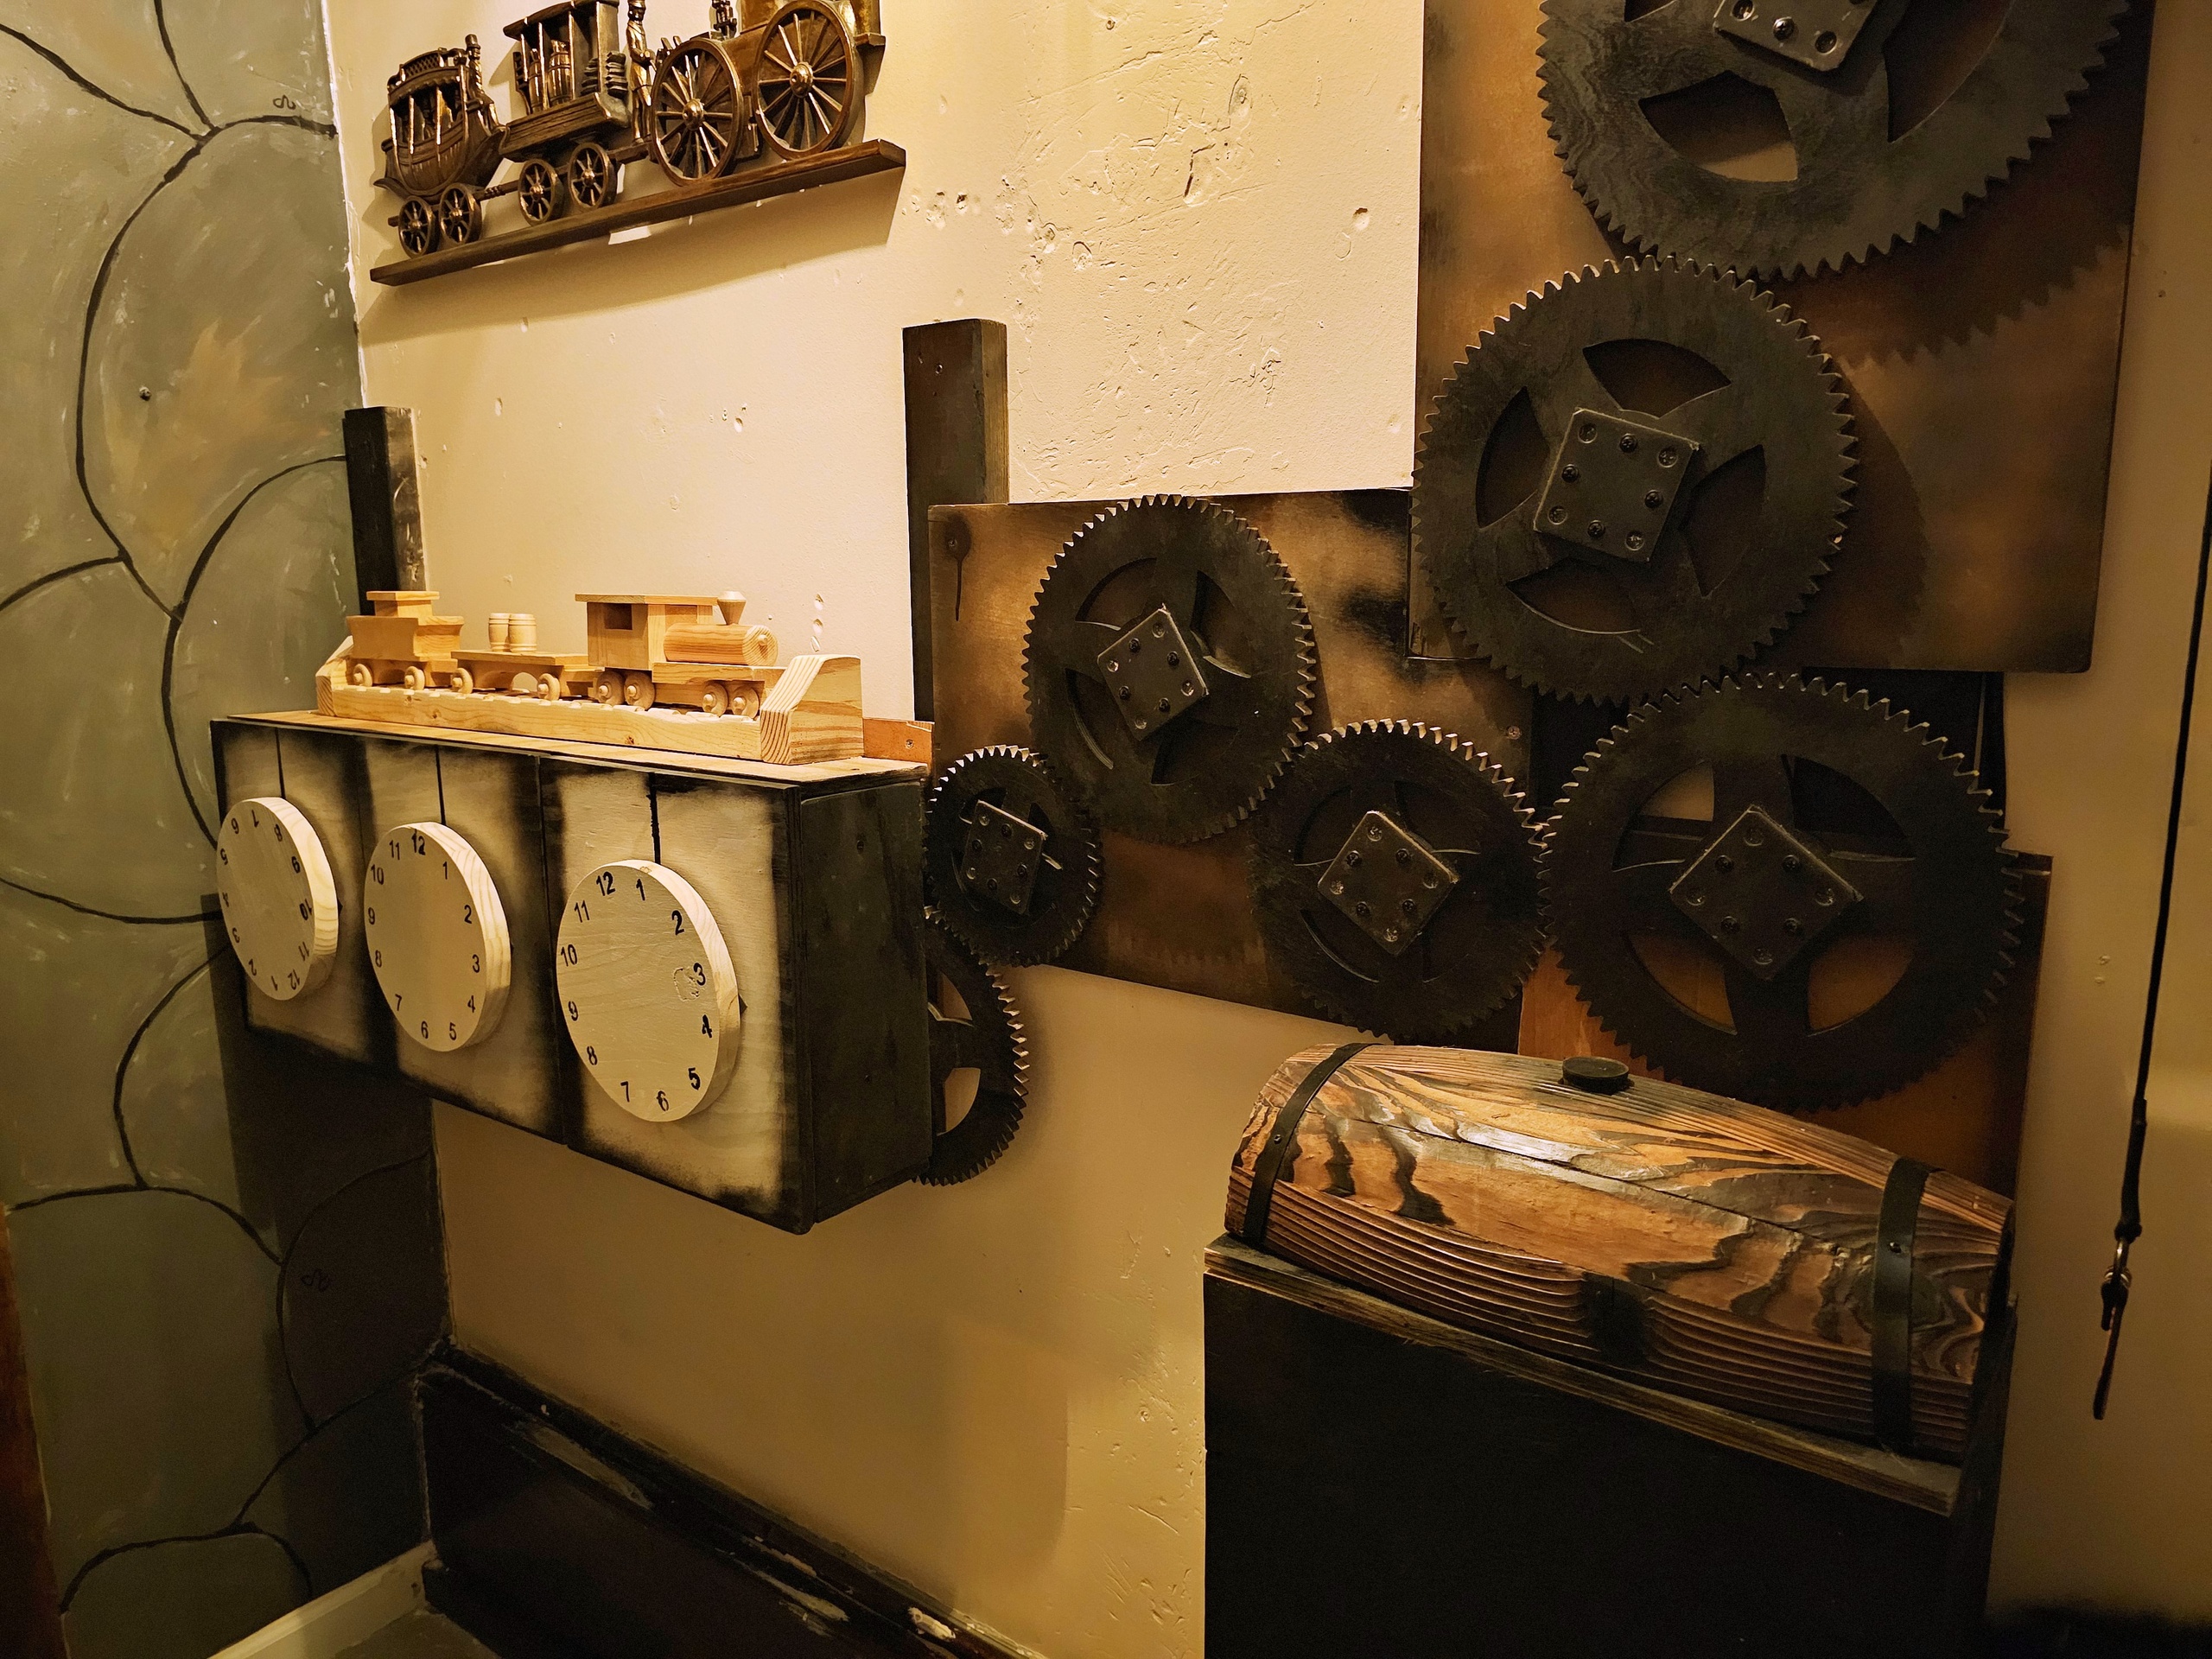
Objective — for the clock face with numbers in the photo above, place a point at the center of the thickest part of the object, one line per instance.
(280, 906)
(647, 991)
(437, 936)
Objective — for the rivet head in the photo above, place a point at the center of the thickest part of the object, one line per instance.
(1792, 863)
(1589, 432)
(1825, 896)
(1429, 881)
(1754, 837)
(1654, 500)
(1352, 857)
(1746, 10)
(1165, 705)
(1764, 958)
(1693, 899)
(1336, 888)
(1362, 908)
(1792, 926)
(1405, 856)
(1724, 863)
(1390, 936)
(1135, 645)
(1406, 905)
(1784, 28)
(1730, 924)
(1669, 455)
(1374, 832)
(1159, 630)
(1597, 529)
(1124, 694)
(1635, 541)
(1559, 515)
(1628, 443)
(1824, 42)
(1571, 473)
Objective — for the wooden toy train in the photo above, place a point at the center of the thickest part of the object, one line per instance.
(654, 665)
(782, 75)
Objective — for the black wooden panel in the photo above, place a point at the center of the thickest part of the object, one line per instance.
(559, 1538)
(1367, 1494)
(863, 1019)
(957, 451)
(382, 488)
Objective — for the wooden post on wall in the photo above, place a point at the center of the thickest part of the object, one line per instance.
(30, 1605)
(380, 480)
(956, 451)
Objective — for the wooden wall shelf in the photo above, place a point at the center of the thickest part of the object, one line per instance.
(757, 184)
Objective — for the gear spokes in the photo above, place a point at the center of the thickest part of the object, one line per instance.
(1719, 947)
(973, 1029)
(1394, 871)
(1884, 116)
(1170, 667)
(1012, 857)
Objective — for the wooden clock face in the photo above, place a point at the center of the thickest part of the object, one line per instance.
(280, 906)
(437, 936)
(647, 991)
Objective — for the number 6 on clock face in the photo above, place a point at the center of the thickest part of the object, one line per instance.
(648, 990)
(437, 936)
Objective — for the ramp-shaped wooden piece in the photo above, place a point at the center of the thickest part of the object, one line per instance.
(280, 905)
(1711, 1247)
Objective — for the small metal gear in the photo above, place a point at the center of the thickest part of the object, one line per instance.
(1395, 875)
(973, 1027)
(1765, 894)
(1012, 857)
(1612, 73)
(1170, 667)
(1635, 479)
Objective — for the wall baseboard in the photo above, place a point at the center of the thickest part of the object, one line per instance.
(557, 1538)
(352, 1613)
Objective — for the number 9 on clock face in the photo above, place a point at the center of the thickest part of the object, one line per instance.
(437, 936)
(648, 990)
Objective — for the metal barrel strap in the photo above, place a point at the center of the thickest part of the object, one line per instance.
(1267, 1168)
(1895, 1242)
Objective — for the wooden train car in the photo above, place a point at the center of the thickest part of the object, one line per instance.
(646, 649)
(403, 644)
(783, 77)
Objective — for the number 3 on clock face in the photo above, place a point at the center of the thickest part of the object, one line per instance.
(648, 990)
(437, 936)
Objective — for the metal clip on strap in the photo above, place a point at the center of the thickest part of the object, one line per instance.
(1267, 1168)
(1894, 1244)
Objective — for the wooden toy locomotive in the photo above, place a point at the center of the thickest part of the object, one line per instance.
(782, 75)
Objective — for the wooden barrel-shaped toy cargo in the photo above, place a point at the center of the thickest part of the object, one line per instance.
(1706, 1247)
(649, 648)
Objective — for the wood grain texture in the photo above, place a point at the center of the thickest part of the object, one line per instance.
(1959, 554)
(1181, 917)
(1708, 1247)
(755, 184)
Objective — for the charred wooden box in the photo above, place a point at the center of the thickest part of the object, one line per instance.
(811, 876)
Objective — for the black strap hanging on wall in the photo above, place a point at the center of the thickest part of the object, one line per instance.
(2117, 1280)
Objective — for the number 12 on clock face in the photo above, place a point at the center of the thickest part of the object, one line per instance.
(648, 994)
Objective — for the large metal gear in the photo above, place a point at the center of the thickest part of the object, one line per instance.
(1011, 857)
(1170, 667)
(1635, 479)
(973, 1027)
(1395, 875)
(1898, 112)
(1756, 897)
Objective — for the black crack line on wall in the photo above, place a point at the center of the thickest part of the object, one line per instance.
(243, 1225)
(53, 577)
(129, 1053)
(101, 92)
(169, 48)
(284, 1277)
(241, 1530)
(110, 915)
(184, 609)
(297, 1447)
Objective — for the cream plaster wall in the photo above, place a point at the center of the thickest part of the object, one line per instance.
(1199, 216)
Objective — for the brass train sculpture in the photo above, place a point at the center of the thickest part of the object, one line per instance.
(779, 77)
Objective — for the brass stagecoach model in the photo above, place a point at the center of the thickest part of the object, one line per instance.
(779, 77)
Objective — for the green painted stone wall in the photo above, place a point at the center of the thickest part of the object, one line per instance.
(227, 1251)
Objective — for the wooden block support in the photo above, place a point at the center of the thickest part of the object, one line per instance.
(957, 451)
(382, 485)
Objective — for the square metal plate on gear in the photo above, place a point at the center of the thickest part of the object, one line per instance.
(1002, 857)
(1613, 484)
(1153, 674)
(1762, 894)
(1389, 881)
(1815, 33)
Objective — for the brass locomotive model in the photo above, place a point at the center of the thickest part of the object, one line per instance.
(782, 78)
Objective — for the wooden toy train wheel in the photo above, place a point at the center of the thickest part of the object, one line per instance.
(699, 111)
(809, 73)
(418, 227)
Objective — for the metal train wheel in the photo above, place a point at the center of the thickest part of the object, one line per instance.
(698, 112)
(418, 227)
(461, 215)
(809, 79)
(540, 192)
(594, 176)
